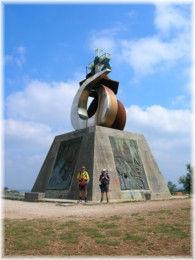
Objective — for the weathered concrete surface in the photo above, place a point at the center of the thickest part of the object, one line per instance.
(96, 153)
(85, 157)
(34, 196)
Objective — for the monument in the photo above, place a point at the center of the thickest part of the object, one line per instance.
(99, 142)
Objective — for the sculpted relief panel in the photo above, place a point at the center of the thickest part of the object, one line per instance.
(63, 170)
(128, 164)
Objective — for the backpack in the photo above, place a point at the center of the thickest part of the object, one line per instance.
(104, 181)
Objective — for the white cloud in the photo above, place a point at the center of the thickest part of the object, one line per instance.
(22, 169)
(181, 100)
(26, 145)
(35, 116)
(169, 17)
(27, 133)
(160, 119)
(168, 132)
(106, 39)
(17, 57)
(147, 55)
(103, 42)
(48, 103)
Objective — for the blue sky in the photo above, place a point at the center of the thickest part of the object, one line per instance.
(47, 48)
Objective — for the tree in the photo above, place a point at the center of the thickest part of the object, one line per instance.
(172, 187)
(186, 180)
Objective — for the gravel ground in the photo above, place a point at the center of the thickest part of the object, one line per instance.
(31, 210)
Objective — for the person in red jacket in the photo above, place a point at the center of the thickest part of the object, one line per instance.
(83, 179)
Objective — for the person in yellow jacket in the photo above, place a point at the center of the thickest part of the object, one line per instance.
(83, 179)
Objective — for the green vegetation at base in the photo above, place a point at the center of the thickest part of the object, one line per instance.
(152, 234)
(185, 181)
(107, 242)
(107, 225)
(70, 237)
(172, 187)
(93, 233)
(134, 237)
(170, 230)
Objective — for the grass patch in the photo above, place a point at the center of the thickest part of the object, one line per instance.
(164, 211)
(134, 237)
(151, 213)
(115, 217)
(140, 219)
(70, 237)
(47, 231)
(135, 214)
(170, 230)
(160, 212)
(185, 209)
(162, 218)
(93, 233)
(161, 236)
(107, 242)
(70, 223)
(106, 225)
(113, 233)
(23, 244)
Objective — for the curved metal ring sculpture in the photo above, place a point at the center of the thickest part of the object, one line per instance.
(104, 110)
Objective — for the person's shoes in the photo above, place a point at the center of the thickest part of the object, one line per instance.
(79, 201)
(85, 200)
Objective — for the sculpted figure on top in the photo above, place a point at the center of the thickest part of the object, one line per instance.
(103, 109)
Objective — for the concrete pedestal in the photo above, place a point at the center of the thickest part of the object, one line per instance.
(134, 174)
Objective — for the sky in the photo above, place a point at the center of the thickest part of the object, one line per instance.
(46, 50)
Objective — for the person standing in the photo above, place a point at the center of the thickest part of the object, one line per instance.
(83, 180)
(104, 184)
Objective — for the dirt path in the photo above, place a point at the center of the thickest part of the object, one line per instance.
(31, 210)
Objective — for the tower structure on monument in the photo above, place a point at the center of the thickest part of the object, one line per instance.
(99, 142)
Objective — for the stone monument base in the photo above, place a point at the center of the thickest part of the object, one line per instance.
(33, 196)
(134, 174)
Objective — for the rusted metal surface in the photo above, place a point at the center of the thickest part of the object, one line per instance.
(107, 108)
(104, 110)
(120, 119)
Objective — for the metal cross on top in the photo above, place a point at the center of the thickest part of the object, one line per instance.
(100, 63)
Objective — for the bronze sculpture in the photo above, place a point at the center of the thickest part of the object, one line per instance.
(105, 109)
